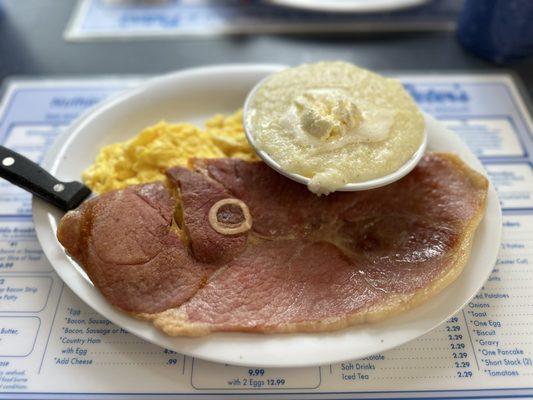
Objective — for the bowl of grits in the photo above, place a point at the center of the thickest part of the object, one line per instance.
(332, 124)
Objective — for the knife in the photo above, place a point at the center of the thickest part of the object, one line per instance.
(29, 176)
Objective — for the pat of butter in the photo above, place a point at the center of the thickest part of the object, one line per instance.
(331, 115)
(326, 113)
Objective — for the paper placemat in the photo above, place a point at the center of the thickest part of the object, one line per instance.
(53, 346)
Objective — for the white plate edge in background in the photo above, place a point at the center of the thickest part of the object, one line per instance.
(349, 6)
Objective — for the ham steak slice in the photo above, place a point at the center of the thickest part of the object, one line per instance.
(303, 263)
(125, 242)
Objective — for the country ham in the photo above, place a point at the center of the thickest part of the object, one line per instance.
(250, 250)
(126, 243)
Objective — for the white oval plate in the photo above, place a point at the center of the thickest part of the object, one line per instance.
(194, 95)
(359, 6)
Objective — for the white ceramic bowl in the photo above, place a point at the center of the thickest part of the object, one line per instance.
(350, 187)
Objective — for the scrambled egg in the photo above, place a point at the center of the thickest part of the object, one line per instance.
(145, 157)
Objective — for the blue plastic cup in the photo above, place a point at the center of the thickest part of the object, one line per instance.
(498, 30)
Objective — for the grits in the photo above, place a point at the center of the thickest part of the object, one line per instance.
(335, 123)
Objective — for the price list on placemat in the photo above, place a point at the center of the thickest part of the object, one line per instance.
(54, 346)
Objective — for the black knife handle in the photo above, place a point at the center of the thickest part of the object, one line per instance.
(24, 173)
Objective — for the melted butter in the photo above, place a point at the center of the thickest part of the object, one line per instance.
(335, 123)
